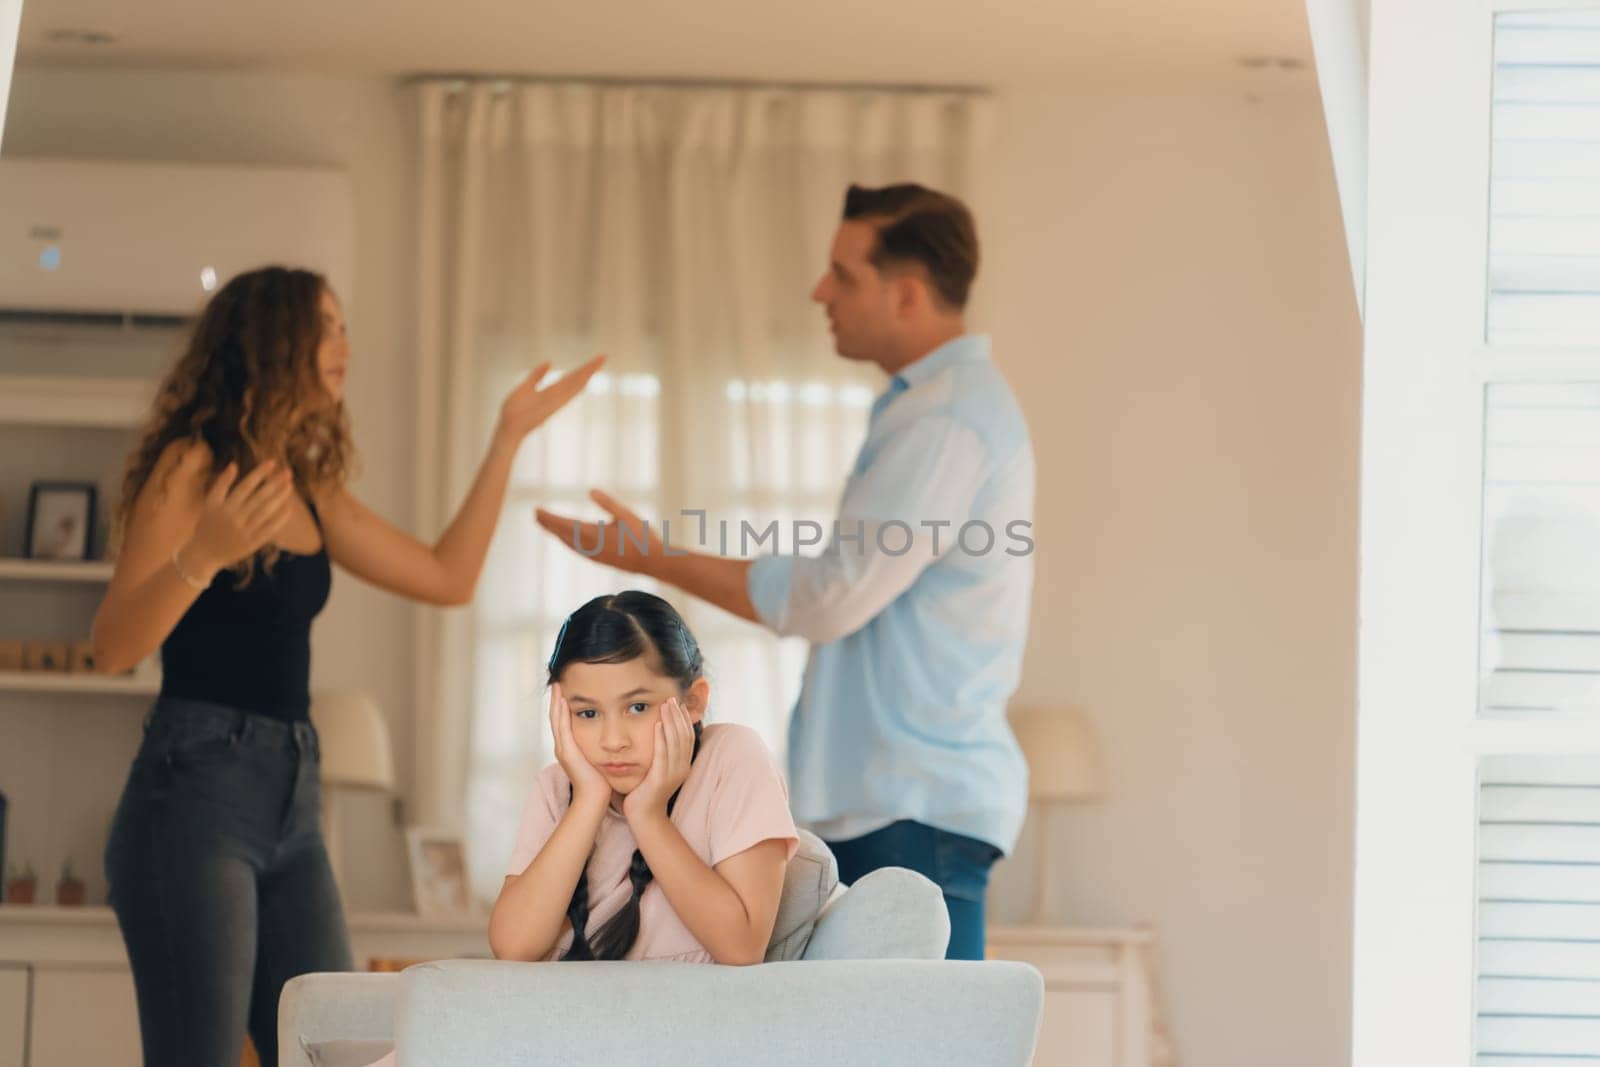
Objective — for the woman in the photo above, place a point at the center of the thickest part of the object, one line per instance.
(233, 510)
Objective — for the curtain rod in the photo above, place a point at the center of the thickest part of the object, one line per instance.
(505, 81)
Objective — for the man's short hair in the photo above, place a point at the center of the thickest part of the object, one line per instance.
(920, 225)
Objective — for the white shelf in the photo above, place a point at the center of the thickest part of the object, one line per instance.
(96, 403)
(42, 570)
(1027, 934)
(52, 682)
(401, 922)
(47, 914)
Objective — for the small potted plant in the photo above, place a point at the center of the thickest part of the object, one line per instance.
(70, 889)
(21, 882)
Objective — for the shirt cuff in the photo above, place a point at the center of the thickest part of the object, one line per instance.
(768, 586)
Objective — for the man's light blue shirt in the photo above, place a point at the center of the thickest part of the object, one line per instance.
(917, 613)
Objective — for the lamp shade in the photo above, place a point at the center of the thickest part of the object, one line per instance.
(1063, 758)
(354, 740)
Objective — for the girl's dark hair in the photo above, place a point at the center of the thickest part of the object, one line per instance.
(617, 628)
(247, 387)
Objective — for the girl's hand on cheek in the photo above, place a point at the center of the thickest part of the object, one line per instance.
(588, 784)
(669, 764)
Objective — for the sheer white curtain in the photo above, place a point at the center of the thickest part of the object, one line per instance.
(679, 230)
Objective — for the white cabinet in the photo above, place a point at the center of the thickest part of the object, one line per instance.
(82, 1015)
(67, 998)
(1079, 1029)
(1099, 998)
(13, 1016)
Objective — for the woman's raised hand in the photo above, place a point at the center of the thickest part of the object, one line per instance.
(238, 517)
(527, 407)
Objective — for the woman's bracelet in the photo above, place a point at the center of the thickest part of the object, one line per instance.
(188, 579)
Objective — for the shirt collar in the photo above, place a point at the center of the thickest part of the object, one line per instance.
(964, 349)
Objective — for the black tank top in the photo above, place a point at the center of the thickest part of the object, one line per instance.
(250, 648)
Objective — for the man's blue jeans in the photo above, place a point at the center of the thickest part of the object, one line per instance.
(957, 865)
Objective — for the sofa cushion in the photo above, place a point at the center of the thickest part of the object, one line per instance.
(889, 913)
(808, 885)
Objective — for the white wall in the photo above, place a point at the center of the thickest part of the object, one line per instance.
(1173, 304)
(363, 638)
(10, 21)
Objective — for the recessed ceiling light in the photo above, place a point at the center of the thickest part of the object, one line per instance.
(88, 37)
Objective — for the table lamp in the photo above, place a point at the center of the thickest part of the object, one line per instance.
(1063, 767)
(354, 740)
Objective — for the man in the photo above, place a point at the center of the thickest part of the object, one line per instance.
(917, 614)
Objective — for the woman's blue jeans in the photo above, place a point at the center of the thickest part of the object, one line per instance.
(220, 880)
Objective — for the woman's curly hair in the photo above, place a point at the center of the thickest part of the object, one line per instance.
(248, 387)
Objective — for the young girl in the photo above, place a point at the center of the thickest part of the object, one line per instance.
(653, 836)
(234, 512)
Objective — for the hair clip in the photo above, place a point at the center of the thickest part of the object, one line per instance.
(557, 651)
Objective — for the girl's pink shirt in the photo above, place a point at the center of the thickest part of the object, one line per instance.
(733, 799)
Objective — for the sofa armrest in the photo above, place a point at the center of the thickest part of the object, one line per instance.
(891, 913)
(318, 1011)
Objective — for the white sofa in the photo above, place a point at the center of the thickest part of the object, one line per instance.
(855, 975)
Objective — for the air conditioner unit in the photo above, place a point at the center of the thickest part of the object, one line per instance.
(103, 239)
(102, 264)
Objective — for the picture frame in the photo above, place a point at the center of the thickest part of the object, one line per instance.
(440, 887)
(61, 521)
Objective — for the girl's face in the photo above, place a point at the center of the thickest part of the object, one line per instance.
(615, 707)
(333, 353)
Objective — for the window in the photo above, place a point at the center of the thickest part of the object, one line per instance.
(789, 445)
(1478, 821)
(1538, 988)
(1544, 234)
(1541, 569)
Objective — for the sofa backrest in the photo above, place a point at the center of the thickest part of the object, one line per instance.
(888, 1013)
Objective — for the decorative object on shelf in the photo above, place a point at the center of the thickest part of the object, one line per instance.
(70, 889)
(64, 657)
(60, 520)
(53, 656)
(21, 881)
(354, 741)
(438, 862)
(1063, 767)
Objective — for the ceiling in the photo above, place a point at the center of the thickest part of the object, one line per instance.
(1010, 43)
